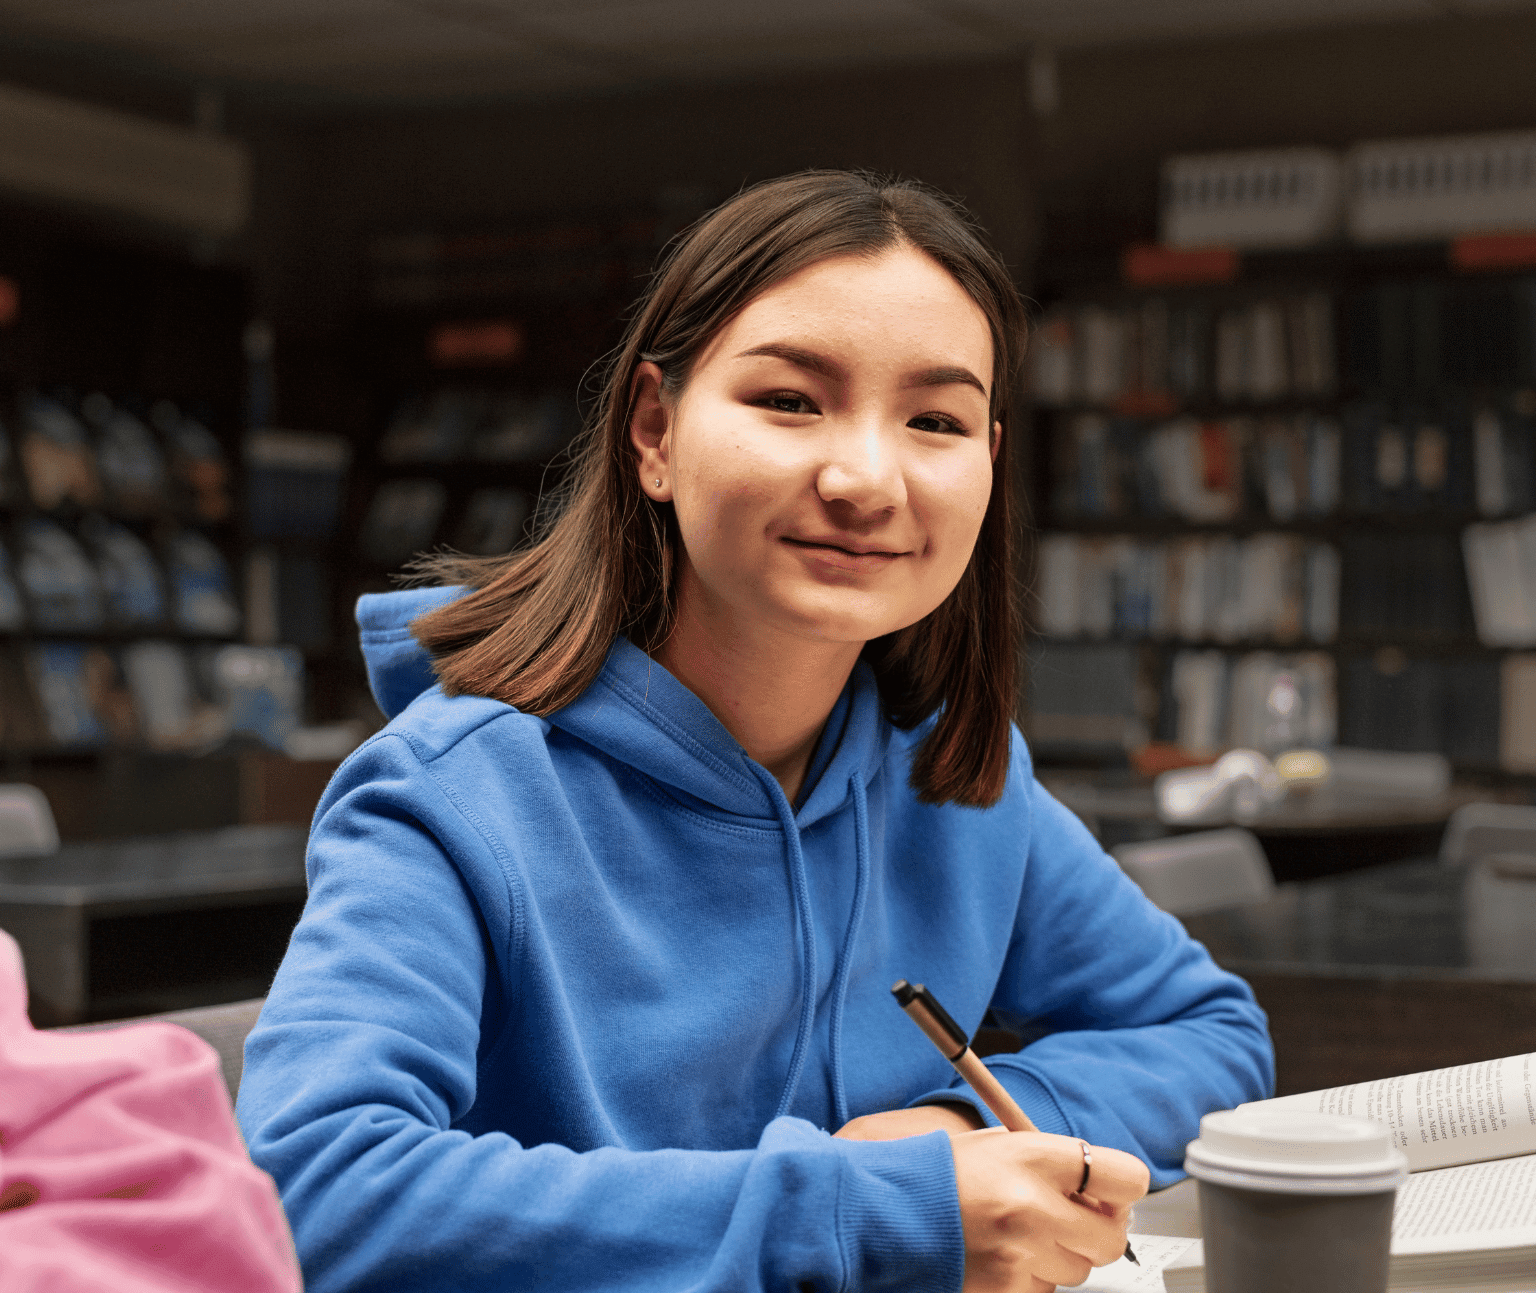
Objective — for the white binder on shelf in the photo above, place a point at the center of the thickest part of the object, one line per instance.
(1286, 197)
(1406, 190)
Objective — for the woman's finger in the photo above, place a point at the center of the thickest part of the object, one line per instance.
(1092, 1235)
(1115, 1178)
(1067, 1238)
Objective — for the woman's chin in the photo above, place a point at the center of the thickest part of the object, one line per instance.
(818, 622)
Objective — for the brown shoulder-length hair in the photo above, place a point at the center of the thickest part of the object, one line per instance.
(538, 625)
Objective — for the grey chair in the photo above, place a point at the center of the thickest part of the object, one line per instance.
(223, 1027)
(26, 822)
(1477, 830)
(1184, 874)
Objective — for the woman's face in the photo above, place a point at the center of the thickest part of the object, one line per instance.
(830, 458)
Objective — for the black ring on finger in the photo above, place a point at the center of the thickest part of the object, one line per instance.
(1087, 1166)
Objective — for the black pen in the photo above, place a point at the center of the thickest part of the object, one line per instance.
(955, 1046)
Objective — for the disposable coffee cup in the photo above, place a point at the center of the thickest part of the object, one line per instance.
(1291, 1200)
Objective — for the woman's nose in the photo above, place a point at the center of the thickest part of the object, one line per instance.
(862, 468)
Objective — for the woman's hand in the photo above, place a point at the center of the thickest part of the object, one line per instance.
(917, 1121)
(1026, 1230)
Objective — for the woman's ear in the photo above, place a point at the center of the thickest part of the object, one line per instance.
(650, 426)
(997, 439)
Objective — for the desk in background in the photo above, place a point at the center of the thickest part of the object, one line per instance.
(139, 926)
(1385, 971)
(1304, 837)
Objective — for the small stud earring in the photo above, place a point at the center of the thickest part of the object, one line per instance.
(658, 482)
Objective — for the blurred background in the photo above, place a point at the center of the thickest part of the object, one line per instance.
(290, 292)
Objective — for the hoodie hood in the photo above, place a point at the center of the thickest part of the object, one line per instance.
(639, 714)
(399, 668)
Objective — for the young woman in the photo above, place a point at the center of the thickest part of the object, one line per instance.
(593, 985)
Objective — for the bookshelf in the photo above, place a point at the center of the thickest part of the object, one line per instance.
(1253, 501)
(120, 533)
(471, 363)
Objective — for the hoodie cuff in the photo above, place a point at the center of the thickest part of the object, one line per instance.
(1027, 1090)
(899, 1215)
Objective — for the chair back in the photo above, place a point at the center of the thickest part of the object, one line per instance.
(225, 1028)
(1185, 874)
(26, 822)
(1475, 830)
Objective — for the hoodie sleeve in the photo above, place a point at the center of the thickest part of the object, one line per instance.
(1142, 1032)
(365, 1062)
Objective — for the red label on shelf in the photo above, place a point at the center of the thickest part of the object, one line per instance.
(1154, 265)
(482, 342)
(1494, 251)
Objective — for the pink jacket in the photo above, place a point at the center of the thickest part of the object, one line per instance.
(121, 1169)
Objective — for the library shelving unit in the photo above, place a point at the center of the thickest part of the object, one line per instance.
(475, 354)
(120, 387)
(1256, 478)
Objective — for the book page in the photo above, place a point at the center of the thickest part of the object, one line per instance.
(1480, 1205)
(1447, 1116)
(1153, 1252)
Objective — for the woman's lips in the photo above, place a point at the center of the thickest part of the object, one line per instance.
(833, 556)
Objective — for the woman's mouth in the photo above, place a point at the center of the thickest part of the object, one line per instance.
(838, 556)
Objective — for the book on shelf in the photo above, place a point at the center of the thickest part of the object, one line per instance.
(10, 477)
(200, 472)
(1438, 455)
(130, 463)
(1501, 575)
(131, 583)
(1218, 588)
(96, 453)
(1394, 703)
(1101, 698)
(169, 700)
(13, 614)
(56, 455)
(1085, 699)
(288, 598)
(1517, 726)
(493, 521)
(1155, 351)
(1420, 334)
(1207, 472)
(60, 583)
(1465, 1219)
(463, 424)
(1502, 462)
(202, 598)
(1262, 700)
(1404, 587)
(401, 520)
(294, 482)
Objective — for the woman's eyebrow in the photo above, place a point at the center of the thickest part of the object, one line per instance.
(947, 376)
(801, 358)
(944, 375)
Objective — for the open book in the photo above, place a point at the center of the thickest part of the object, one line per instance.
(1465, 1218)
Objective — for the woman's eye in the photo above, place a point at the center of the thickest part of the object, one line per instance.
(787, 402)
(936, 422)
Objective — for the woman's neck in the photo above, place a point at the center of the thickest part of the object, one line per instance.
(771, 690)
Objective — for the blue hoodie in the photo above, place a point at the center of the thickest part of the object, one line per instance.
(576, 1001)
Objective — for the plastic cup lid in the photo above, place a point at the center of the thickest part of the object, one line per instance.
(1295, 1151)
